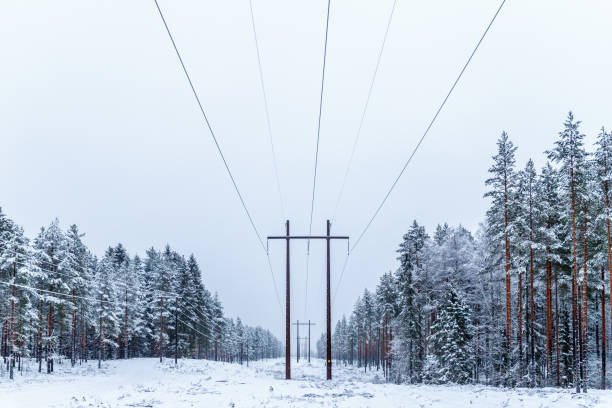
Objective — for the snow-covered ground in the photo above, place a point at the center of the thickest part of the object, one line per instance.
(147, 383)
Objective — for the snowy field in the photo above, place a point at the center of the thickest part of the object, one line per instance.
(147, 383)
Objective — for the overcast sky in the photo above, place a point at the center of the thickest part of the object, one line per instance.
(99, 128)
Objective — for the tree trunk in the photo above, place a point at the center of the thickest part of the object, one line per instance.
(40, 333)
(12, 324)
(607, 194)
(557, 330)
(531, 303)
(574, 283)
(584, 344)
(49, 334)
(581, 348)
(126, 331)
(161, 328)
(101, 334)
(74, 326)
(520, 321)
(603, 331)
(548, 317)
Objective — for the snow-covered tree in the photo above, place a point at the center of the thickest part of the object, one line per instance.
(451, 335)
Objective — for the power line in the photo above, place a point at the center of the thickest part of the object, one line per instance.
(212, 133)
(188, 325)
(122, 286)
(267, 110)
(194, 329)
(58, 293)
(428, 127)
(115, 302)
(314, 179)
(363, 113)
(119, 283)
(340, 279)
(274, 281)
(208, 125)
(422, 138)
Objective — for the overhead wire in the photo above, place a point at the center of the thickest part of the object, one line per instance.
(212, 133)
(114, 303)
(267, 111)
(416, 148)
(125, 287)
(97, 300)
(314, 179)
(363, 112)
(58, 293)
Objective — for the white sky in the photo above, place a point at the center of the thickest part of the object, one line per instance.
(99, 128)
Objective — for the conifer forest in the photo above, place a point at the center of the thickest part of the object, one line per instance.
(297, 204)
(61, 302)
(524, 301)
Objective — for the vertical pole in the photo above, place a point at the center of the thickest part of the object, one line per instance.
(161, 328)
(297, 341)
(101, 337)
(176, 331)
(126, 336)
(329, 356)
(309, 341)
(288, 315)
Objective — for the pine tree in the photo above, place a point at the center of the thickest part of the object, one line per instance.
(569, 152)
(603, 173)
(81, 276)
(107, 309)
(499, 216)
(527, 220)
(386, 299)
(138, 329)
(18, 272)
(550, 235)
(57, 278)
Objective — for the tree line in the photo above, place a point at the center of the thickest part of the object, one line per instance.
(59, 301)
(520, 303)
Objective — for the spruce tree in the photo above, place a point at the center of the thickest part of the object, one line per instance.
(409, 346)
(500, 215)
(451, 335)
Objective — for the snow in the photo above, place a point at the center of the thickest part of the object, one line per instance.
(200, 383)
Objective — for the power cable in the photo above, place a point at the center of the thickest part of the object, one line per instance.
(363, 113)
(267, 111)
(422, 137)
(212, 133)
(314, 179)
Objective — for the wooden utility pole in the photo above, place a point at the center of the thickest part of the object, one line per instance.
(299, 349)
(298, 324)
(328, 318)
(297, 341)
(309, 340)
(288, 239)
(288, 310)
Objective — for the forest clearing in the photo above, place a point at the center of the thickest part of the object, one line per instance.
(333, 203)
(198, 383)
